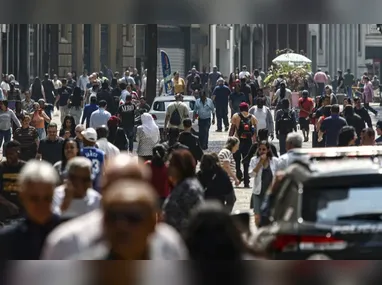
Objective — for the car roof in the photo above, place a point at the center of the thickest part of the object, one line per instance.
(172, 98)
(334, 169)
(338, 152)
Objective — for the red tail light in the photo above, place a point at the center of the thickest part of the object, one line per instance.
(154, 117)
(291, 243)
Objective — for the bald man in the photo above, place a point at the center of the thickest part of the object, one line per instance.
(85, 233)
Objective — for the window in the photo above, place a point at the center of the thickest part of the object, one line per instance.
(341, 203)
(162, 106)
(63, 31)
(320, 37)
(359, 38)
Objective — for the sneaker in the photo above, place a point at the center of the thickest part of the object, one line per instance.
(246, 186)
(226, 129)
(218, 131)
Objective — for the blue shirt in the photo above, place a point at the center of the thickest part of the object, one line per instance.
(331, 126)
(222, 94)
(205, 110)
(88, 111)
(97, 157)
(99, 118)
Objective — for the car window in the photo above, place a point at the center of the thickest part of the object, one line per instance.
(329, 205)
(161, 106)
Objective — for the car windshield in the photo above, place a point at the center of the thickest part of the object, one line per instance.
(358, 203)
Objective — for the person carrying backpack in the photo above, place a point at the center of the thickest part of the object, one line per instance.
(176, 113)
(244, 125)
(285, 124)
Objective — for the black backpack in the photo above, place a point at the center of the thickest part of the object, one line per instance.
(246, 129)
(175, 118)
(286, 122)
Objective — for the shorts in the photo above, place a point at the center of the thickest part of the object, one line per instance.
(304, 124)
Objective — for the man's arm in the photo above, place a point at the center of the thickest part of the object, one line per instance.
(233, 127)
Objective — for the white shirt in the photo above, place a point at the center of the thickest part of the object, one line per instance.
(259, 81)
(5, 86)
(77, 207)
(57, 84)
(82, 233)
(261, 116)
(99, 118)
(256, 188)
(144, 83)
(244, 74)
(288, 158)
(109, 149)
(83, 82)
(124, 93)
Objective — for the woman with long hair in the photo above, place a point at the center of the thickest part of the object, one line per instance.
(117, 135)
(227, 160)
(7, 116)
(20, 114)
(147, 136)
(159, 170)
(70, 149)
(215, 181)
(186, 194)
(263, 168)
(76, 104)
(37, 90)
(39, 118)
(68, 129)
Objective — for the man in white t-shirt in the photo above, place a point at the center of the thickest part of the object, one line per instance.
(263, 115)
(5, 86)
(76, 196)
(103, 144)
(244, 73)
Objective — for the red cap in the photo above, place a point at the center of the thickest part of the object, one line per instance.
(243, 105)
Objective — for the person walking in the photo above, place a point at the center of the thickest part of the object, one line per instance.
(285, 124)
(190, 140)
(220, 95)
(76, 103)
(320, 78)
(264, 117)
(63, 99)
(103, 144)
(306, 106)
(204, 109)
(368, 95)
(7, 116)
(126, 113)
(176, 112)
(331, 126)
(147, 136)
(100, 116)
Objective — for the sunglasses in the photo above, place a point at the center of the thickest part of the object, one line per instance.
(132, 217)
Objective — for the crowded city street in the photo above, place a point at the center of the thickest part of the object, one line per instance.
(167, 159)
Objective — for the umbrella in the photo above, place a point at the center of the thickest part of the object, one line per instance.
(293, 58)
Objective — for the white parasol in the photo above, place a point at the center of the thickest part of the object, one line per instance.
(292, 58)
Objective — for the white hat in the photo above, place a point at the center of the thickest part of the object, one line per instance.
(90, 134)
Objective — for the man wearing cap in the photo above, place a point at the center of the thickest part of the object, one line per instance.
(220, 96)
(244, 126)
(379, 132)
(95, 155)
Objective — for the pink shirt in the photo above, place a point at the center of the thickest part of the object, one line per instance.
(368, 93)
(320, 77)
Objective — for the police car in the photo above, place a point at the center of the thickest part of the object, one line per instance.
(326, 210)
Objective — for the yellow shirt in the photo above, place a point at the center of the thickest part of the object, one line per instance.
(179, 85)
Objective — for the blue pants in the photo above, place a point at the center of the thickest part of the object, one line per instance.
(222, 115)
(130, 137)
(349, 91)
(5, 136)
(204, 129)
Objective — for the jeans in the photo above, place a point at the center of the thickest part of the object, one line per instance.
(221, 115)
(5, 136)
(244, 147)
(64, 111)
(282, 143)
(204, 129)
(41, 133)
(349, 91)
(130, 137)
(321, 88)
(371, 109)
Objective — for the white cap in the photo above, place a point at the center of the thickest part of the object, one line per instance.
(90, 134)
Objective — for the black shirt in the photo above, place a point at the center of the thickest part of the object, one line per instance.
(246, 90)
(9, 187)
(51, 150)
(127, 115)
(64, 92)
(192, 142)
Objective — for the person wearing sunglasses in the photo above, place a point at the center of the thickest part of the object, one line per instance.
(76, 197)
(25, 240)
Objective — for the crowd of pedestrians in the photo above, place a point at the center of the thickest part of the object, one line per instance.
(81, 191)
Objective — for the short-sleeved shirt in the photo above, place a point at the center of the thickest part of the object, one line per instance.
(236, 98)
(27, 137)
(213, 77)
(64, 93)
(221, 95)
(348, 79)
(183, 112)
(288, 94)
(331, 126)
(307, 104)
(179, 85)
(127, 115)
(226, 155)
(97, 157)
(9, 188)
(51, 150)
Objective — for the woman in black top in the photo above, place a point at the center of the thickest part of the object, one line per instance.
(37, 91)
(215, 181)
(75, 104)
(68, 128)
